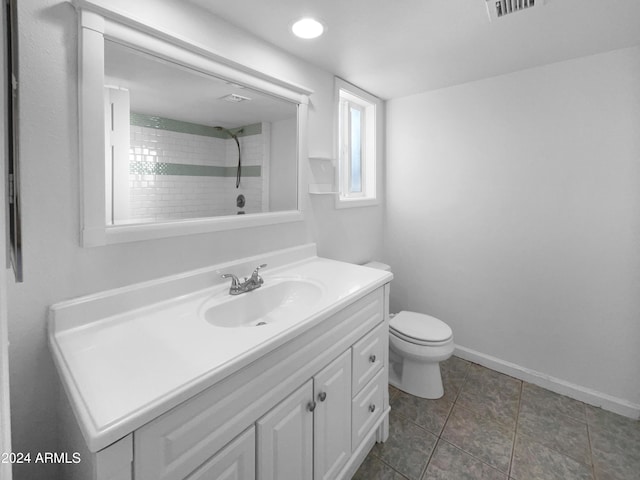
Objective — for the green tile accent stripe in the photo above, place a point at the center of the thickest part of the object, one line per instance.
(161, 123)
(161, 168)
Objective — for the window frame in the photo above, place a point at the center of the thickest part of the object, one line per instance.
(349, 96)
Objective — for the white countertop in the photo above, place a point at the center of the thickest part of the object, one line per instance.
(123, 366)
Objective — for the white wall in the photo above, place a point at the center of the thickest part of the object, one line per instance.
(514, 215)
(57, 268)
(282, 178)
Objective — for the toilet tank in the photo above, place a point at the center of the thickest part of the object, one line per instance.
(378, 265)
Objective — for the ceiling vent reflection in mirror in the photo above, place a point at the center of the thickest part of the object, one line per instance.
(501, 8)
(234, 98)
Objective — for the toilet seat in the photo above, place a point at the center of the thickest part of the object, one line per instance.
(420, 329)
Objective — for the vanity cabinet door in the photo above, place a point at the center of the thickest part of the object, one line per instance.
(332, 418)
(236, 461)
(285, 438)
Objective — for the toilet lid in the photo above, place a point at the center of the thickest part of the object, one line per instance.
(420, 327)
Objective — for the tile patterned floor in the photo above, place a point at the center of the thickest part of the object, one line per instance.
(489, 426)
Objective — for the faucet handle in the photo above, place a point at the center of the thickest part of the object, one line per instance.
(255, 276)
(234, 280)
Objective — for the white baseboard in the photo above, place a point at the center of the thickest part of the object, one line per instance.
(577, 392)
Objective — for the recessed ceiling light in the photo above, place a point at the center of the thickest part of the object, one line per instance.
(307, 28)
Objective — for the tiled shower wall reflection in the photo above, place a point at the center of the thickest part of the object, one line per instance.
(178, 175)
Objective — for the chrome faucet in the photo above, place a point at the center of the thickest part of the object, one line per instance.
(248, 284)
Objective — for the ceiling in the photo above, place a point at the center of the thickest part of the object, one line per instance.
(161, 88)
(397, 48)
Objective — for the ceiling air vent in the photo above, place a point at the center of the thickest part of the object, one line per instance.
(501, 8)
(234, 98)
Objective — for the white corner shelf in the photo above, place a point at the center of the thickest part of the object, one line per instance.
(324, 169)
(322, 189)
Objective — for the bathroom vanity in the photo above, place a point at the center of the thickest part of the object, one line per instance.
(176, 379)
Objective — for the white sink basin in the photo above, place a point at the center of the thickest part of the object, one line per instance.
(276, 301)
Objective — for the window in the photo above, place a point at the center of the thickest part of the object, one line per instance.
(358, 114)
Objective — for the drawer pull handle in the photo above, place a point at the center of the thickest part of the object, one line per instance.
(372, 408)
(372, 358)
(311, 406)
(322, 396)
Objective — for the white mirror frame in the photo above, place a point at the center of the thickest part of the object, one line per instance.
(96, 24)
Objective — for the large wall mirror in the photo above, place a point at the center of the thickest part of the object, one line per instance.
(176, 141)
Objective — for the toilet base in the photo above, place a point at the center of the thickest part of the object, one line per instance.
(417, 378)
(422, 379)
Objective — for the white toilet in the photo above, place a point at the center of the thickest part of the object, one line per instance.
(417, 345)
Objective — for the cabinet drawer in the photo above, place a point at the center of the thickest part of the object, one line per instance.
(236, 461)
(366, 408)
(368, 356)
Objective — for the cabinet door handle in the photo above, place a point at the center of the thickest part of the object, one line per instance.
(372, 358)
(372, 407)
(322, 396)
(311, 406)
